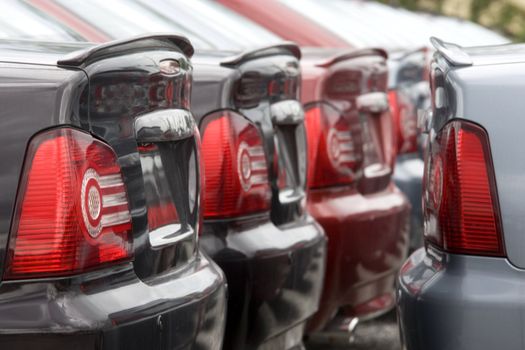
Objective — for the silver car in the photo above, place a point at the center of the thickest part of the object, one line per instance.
(466, 288)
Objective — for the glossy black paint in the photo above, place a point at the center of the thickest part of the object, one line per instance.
(172, 297)
(274, 262)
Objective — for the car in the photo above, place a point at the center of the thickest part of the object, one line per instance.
(406, 56)
(351, 153)
(372, 24)
(101, 195)
(256, 226)
(464, 289)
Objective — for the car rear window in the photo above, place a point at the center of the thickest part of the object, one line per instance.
(19, 21)
(121, 19)
(235, 31)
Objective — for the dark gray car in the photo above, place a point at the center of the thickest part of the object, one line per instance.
(466, 289)
(100, 209)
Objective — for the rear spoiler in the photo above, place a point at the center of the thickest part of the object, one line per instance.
(453, 53)
(247, 55)
(352, 54)
(97, 52)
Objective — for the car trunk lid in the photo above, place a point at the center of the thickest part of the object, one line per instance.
(267, 93)
(355, 83)
(139, 103)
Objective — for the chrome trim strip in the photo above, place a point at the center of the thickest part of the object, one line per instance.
(287, 112)
(169, 234)
(164, 125)
(374, 102)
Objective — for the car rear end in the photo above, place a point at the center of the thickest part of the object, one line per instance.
(464, 290)
(409, 92)
(255, 224)
(103, 186)
(350, 152)
(351, 192)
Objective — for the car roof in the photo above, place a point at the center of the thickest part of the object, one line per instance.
(368, 23)
(21, 21)
(37, 52)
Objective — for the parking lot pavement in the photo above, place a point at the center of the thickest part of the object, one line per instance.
(378, 334)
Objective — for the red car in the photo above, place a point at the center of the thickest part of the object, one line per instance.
(351, 152)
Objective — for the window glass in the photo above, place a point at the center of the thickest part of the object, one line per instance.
(19, 21)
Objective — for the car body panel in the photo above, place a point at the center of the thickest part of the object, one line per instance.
(183, 310)
(408, 177)
(367, 243)
(49, 87)
(275, 277)
(460, 302)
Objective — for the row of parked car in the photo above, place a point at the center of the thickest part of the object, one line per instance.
(218, 174)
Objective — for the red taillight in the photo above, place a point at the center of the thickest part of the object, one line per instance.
(72, 211)
(235, 168)
(405, 121)
(461, 203)
(335, 151)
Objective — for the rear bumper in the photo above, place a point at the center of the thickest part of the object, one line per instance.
(274, 280)
(459, 302)
(183, 310)
(408, 177)
(367, 243)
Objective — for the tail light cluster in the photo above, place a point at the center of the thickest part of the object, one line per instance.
(344, 84)
(283, 87)
(335, 147)
(235, 167)
(250, 90)
(158, 91)
(405, 121)
(252, 87)
(460, 201)
(72, 212)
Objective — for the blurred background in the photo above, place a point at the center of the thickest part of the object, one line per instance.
(504, 16)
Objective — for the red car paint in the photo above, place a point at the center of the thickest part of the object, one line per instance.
(286, 23)
(366, 222)
(70, 20)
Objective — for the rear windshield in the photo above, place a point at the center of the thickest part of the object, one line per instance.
(19, 21)
(226, 28)
(207, 24)
(121, 19)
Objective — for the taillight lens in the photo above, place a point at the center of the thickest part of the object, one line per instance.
(72, 211)
(235, 167)
(405, 121)
(461, 204)
(335, 151)
(249, 90)
(344, 85)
